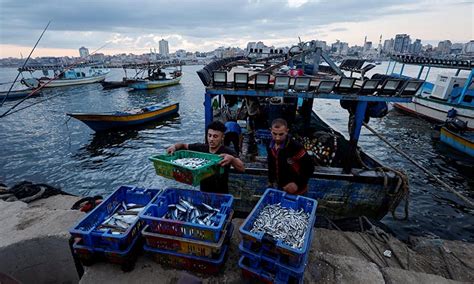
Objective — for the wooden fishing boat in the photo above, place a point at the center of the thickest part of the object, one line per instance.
(463, 142)
(349, 185)
(147, 84)
(107, 85)
(17, 94)
(107, 121)
(57, 76)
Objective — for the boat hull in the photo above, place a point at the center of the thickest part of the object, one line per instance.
(146, 85)
(65, 82)
(463, 143)
(103, 122)
(436, 111)
(340, 196)
(16, 95)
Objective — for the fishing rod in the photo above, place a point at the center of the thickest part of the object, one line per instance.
(24, 64)
(45, 84)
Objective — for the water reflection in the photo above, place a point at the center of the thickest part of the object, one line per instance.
(103, 141)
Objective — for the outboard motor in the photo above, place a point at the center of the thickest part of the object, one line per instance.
(456, 125)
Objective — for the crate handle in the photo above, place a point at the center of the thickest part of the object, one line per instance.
(268, 239)
(291, 197)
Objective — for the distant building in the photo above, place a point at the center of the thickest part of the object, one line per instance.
(340, 48)
(367, 46)
(83, 52)
(164, 48)
(181, 53)
(457, 48)
(98, 57)
(415, 47)
(388, 45)
(320, 43)
(401, 43)
(444, 47)
(469, 48)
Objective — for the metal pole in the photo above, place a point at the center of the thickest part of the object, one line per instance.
(355, 133)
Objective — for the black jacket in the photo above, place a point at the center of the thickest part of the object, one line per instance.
(289, 164)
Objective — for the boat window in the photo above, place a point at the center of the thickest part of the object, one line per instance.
(467, 99)
(83, 74)
(78, 74)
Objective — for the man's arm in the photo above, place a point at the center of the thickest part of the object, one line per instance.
(233, 161)
(176, 147)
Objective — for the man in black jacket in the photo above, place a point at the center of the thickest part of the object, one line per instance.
(289, 165)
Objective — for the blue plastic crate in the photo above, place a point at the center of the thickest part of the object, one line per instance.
(86, 227)
(267, 245)
(198, 264)
(259, 274)
(268, 264)
(154, 213)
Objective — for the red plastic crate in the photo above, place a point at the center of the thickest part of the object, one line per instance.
(188, 262)
(189, 246)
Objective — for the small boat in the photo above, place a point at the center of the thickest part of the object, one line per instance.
(107, 121)
(153, 84)
(448, 92)
(57, 76)
(107, 85)
(461, 141)
(156, 77)
(16, 94)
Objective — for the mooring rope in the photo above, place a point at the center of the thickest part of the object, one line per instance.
(468, 202)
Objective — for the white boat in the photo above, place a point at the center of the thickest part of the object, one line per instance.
(449, 93)
(55, 77)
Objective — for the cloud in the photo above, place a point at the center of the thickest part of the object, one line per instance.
(193, 25)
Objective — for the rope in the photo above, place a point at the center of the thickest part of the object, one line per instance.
(24, 64)
(468, 202)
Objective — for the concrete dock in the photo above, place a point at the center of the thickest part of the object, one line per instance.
(34, 249)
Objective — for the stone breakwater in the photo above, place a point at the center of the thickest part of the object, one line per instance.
(34, 249)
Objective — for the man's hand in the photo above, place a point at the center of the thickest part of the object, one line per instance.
(226, 160)
(171, 149)
(291, 188)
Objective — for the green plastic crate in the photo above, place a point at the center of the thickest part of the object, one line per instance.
(165, 168)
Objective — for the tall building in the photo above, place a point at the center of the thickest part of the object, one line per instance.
(401, 43)
(444, 47)
(164, 49)
(415, 48)
(388, 45)
(83, 52)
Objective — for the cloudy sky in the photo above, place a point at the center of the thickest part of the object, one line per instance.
(203, 25)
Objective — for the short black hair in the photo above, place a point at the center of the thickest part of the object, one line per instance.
(279, 122)
(217, 126)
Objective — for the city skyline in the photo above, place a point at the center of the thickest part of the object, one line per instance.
(206, 26)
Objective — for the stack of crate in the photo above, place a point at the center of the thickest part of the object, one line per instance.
(91, 244)
(271, 260)
(188, 245)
